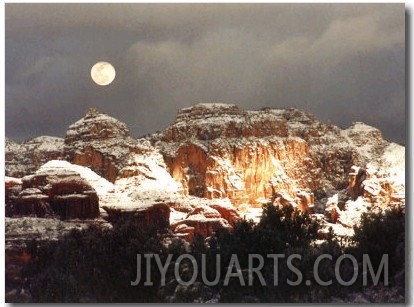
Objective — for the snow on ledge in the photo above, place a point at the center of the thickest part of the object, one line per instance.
(101, 185)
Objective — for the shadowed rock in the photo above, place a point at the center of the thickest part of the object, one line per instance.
(59, 191)
(156, 215)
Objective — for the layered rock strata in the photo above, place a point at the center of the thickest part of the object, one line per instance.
(222, 151)
(51, 192)
(217, 152)
(25, 158)
(152, 216)
(99, 142)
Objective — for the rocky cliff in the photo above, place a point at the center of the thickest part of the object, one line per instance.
(100, 142)
(222, 151)
(25, 158)
(215, 164)
(52, 191)
(219, 152)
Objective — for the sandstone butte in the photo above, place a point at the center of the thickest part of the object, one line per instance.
(214, 164)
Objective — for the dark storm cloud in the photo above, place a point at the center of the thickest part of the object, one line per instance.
(343, 63)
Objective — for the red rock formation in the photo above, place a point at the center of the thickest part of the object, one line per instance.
(32, 201)
(184, 231)
(230, 214)
(13, 186)
(356, 177)
(203, 220)
(11, 182)
(72, 206)
(156, 215)
(204, 226)
(219, 151)
(334, 215)
(244, 174)
(97, 161)
(189, 168)
(377, 188)
(222, 151)
(305, 201)
(99, 142)
(60, 192)
(205, 122)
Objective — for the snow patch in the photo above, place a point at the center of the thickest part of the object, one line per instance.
(101, 185)
(394, 161)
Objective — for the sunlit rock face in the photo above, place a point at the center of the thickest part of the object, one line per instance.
(214, 165)
(245, 172)
(222, 151)
(382, 183)
(100, 142)
(218, 152)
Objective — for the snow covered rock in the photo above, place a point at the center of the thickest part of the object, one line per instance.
(96, 126)
(383, 182)
(206, 218)
(356, 177)
(12, 182)
(13, 186)
(146, 175)
(209, 121)
(352, 215)
(25, 158)
(367, 140)
(215, 152)
(99, 184)
(99, 142)
(205, 211)
(55, 191)
(32, 201)
(220, 151)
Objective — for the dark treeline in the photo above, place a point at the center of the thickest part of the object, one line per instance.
(98, 264)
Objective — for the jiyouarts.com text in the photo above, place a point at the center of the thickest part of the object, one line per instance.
(256, 263)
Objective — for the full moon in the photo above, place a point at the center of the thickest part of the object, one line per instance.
(103, 73)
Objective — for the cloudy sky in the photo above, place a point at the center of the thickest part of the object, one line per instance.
(341, 62)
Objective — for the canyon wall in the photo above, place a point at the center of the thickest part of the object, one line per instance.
(222, 151)
(217, 151)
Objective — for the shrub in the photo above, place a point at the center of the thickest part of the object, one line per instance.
(94, 265)
(382, 233)
(281, 230)
(284, 227)
(98, 264)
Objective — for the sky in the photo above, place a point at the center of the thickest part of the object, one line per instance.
(341, 62)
